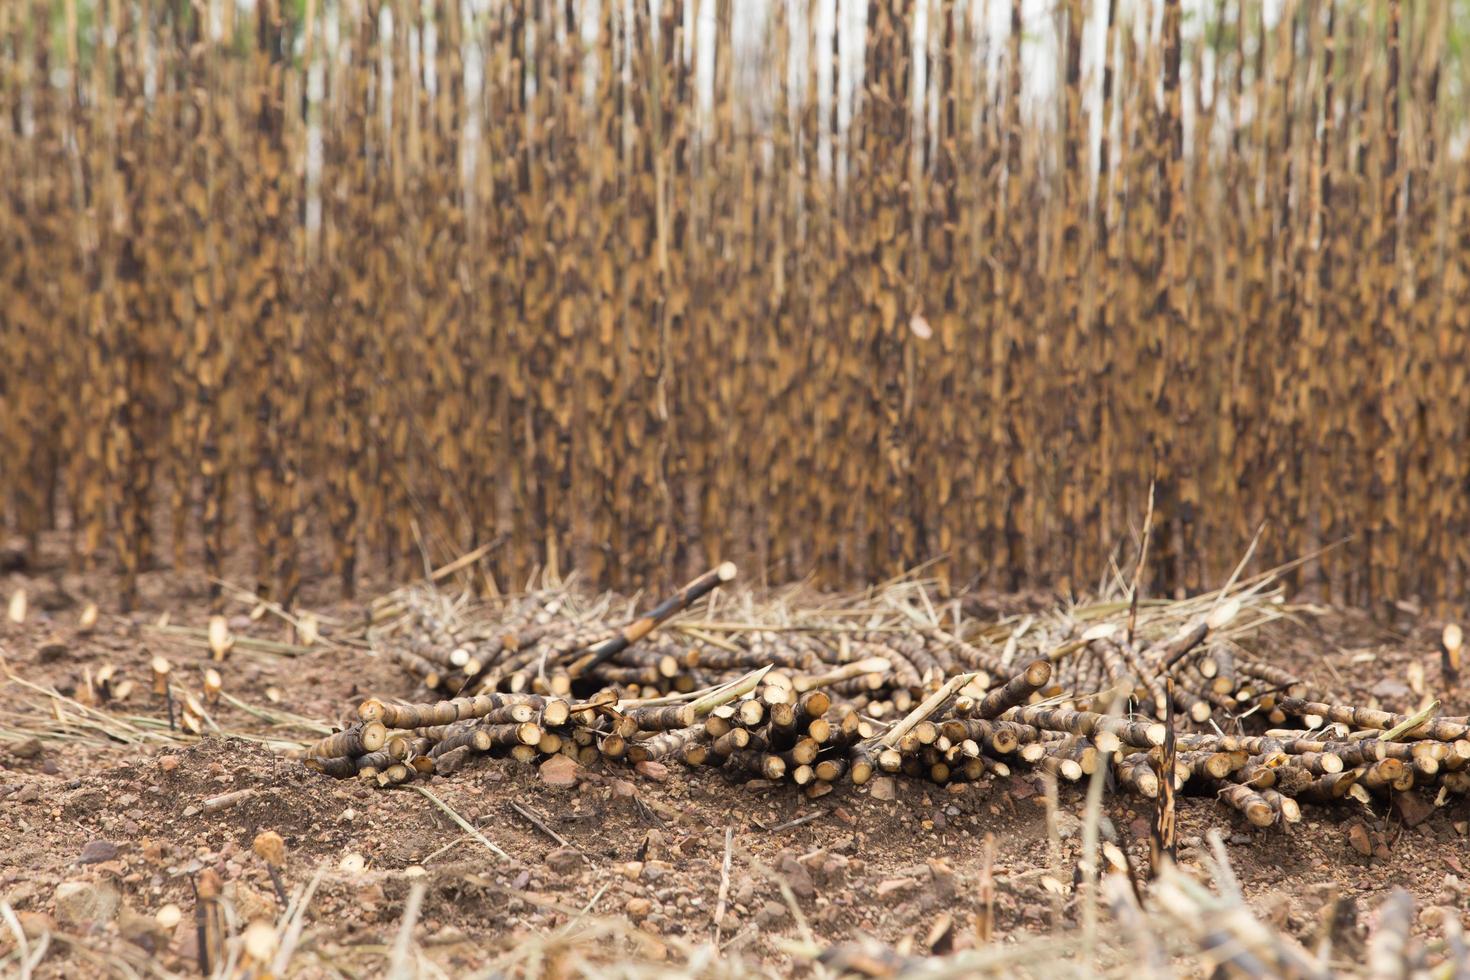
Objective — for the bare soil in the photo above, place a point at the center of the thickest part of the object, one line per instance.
(885, 860)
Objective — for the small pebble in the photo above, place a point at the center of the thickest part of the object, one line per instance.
(771, 912)
(97, 851)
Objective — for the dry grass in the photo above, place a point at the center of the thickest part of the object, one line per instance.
(1186, 927)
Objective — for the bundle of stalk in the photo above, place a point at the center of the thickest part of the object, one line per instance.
(541, 646)
(1098, 649)
(818, 692)
(537, 647)
(392, 741)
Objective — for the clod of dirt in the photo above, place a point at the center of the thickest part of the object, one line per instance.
(797, 877)
(51, 597)
(834, 871)
(1413, 809)
(560, 770)
(1069, 825)
(564, 860)
(12, 560)
(1451, 892)
(656, 771)
(35, 924)
(1020, 789)
(251, 903)
(893, 885)
(1390, 689)
(51, 649)
(186, 942)
(653, 843)
(141, 930)
(884, 788)
(31, 748)
(82, 903)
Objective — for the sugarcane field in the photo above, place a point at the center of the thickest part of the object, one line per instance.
(734, 488)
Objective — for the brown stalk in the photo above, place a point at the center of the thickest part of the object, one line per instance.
(357, 740)
(1163, 832)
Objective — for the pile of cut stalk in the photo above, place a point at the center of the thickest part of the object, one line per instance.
(1157, 697)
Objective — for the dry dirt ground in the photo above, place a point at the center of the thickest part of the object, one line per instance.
(99, 837)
